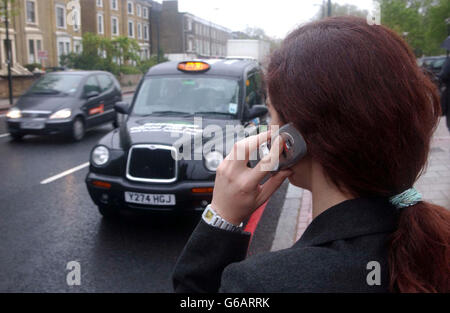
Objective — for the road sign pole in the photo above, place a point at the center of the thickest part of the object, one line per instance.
(8, 53)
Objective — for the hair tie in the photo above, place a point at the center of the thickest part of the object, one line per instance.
(406, 198)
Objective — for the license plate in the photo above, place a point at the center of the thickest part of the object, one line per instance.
(151, 199)
(32, 125)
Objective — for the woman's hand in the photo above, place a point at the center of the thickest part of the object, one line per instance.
(237, 190)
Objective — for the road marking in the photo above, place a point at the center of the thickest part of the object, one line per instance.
(4, 135)
(65, 173)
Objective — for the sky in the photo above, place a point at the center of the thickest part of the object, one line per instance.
(276, 17)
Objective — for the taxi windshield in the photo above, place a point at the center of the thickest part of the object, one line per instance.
(188, 95)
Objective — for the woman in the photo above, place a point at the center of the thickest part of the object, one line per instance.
(367, 113)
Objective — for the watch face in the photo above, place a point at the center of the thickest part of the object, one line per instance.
(209, 215)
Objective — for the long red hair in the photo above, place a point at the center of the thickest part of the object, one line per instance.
(368, 113)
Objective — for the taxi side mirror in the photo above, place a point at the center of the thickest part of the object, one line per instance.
(258, 110)
(122, 107)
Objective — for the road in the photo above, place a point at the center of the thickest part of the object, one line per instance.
(47, 220)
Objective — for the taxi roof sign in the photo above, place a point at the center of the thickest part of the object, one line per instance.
(193, 66)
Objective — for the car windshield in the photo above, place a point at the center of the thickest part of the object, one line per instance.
(56, 84)
(188, 95)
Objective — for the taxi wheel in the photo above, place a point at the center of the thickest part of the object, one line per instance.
(78, 129)
(108, 212)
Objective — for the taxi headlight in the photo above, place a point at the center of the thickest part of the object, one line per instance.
(14, 113)
(213, 160)
(64, 113)
(100, 155)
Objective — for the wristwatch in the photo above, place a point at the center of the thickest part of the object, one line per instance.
(215, 220)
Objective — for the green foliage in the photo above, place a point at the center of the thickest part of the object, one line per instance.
(340, 10)
(420, 22)
(129, 70)
(12, 9)
(118, 55)
(144, 66)
(33, 66)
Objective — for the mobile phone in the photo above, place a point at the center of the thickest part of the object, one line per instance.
(294, 148)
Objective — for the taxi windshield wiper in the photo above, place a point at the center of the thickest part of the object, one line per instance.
(214, 112)
(168, 113)
(47, 92)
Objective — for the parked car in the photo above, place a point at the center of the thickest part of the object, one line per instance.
(138, 165)
(432, 63)
(65, 103)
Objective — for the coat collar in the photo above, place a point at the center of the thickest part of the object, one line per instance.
(348, 219)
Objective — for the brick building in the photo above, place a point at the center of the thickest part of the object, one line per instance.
(41, 26)
(113, 18)
(184, 35)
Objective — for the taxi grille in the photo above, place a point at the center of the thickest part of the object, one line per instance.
(152, 163)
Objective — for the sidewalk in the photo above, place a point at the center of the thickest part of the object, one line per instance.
(434, 184)
(4, 104)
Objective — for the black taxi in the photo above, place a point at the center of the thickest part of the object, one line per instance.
(183, 120)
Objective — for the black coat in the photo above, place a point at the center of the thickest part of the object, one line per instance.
(444, 77)
(331, 256)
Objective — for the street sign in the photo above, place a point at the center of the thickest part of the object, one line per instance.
(43, 55)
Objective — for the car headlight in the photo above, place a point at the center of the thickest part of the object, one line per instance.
(14, 113)
(213, 160)
(100, 155)
(64, 113)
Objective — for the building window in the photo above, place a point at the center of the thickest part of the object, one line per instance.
(130, 7)
(38, 45)
(60, 16)
(139, 30)
(31, 52)
(115, 5)
(138, 10)
(188, 24)
(131, 29)
(100, 3)
(145, 12)
(60, 48)
(76, 26)
(77, 46)
(31, 12)
(115, 26)
(100, 24)
(146, 32)
(63, 45)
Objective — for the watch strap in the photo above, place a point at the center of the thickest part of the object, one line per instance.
(215, 220)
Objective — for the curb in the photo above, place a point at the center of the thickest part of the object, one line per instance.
(285, 235)
(305, 214)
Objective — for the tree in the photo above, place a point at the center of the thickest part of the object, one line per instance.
(420, 22)
(13, 9)
(340, 10)
(119, 55)
(258, 33)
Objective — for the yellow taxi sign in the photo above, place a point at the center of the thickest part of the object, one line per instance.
(193, 66)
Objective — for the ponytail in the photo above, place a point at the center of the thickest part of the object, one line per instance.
(419, 256)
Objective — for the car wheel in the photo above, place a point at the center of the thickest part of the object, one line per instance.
(108, 212)
(78, 129)
(16, 136)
